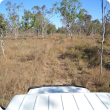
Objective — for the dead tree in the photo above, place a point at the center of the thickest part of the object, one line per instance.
(104, 19)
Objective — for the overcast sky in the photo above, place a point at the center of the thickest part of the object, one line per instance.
(92, 6)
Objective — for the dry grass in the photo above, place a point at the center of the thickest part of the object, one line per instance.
(55, 60)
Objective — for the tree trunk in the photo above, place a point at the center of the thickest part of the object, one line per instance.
(51, 32)
(101, 64)
(15, 35)
(71, 35)
(2, 44)
(46, 32)
(66, 32)
(22, 42)
(103, 23)
(95, 31)
(37, 31)
(80, 33)
(42, 33)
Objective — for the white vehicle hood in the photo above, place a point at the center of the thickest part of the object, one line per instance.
(61, 101)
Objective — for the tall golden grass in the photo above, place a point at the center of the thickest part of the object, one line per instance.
(56, 60)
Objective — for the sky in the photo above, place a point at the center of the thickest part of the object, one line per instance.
(92, 6)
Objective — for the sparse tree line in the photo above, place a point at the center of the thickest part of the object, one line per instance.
(75, 20)
(87, 27)
(37, 20)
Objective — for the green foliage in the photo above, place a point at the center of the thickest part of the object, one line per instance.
(96, 25)
(68, 9)
(82, 14)
(25, 20)
(48, 31)
(51, 29)
(34, 21)
(2, 23)
(61, 30)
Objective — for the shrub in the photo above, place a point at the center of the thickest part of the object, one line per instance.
(91, 54)
(107, 65)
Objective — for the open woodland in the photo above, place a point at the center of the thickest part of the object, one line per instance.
(34, 53)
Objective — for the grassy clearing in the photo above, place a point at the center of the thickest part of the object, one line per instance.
(55, 60)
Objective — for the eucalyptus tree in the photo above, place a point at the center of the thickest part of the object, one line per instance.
(63, 25)
(107, 25)
(105, 17)
(3, 32)
(22, 30)
(36, 18)
(107, 29)
(14, 12)
(34, 22)
(80, 22)
(26, 20)
(43, 17)
(69, 10)
(88, 24)
(44, 23)
(12, 16)
(19, 12)
(46, 15)
(104, 20)
(96, 26)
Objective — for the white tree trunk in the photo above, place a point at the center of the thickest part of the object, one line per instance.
(42, 32)
(15, 33)
(2, 44)
(71, 35)
(101, 64)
